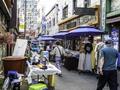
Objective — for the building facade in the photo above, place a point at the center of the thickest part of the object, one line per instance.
(28, 15)
(6, 7)
(68, 20)
(112, 20)
(52, 20)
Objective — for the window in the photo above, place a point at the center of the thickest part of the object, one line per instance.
(53, 21)
(65, 12)
(74, 3)
(49, 24)
(87, 3)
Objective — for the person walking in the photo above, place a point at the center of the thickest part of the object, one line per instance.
(99, 45)
(58, 51)
(107, 67)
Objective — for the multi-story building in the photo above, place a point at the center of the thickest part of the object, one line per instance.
(52, 20)
(68, 19)
(28, 15)
(63, 13)
(111, 20)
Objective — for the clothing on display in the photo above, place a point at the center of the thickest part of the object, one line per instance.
(81, 61)
(93, 58)
(85, 61)
(87, 64)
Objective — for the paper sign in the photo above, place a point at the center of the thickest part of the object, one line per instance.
(20, 47)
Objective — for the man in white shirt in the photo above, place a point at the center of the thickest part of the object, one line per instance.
(58, 51)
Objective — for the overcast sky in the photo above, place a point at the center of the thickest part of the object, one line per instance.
(47, 4)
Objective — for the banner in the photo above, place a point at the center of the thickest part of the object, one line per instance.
(43, 23)
(21, 23)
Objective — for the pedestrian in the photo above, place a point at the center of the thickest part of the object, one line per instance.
(99, 45)
(107, 67)
(58, 51)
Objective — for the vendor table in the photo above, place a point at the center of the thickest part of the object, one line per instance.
(71, 63)
(71, 60)
(49, 72)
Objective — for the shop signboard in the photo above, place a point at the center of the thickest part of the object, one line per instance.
(115, 37)
(84, 11)
(103, 14)
(71, 25)
(86, 19)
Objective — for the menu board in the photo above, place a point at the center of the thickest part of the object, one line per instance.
(20, 47)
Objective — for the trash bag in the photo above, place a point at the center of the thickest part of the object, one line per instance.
(6, 84)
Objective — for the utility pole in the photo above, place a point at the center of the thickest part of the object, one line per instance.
(25, 19)
(101, 17)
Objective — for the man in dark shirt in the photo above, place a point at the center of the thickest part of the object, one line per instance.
(107, 66)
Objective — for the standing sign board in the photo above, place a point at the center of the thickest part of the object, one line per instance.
(20, 47)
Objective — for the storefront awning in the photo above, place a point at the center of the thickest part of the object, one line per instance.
(85, 31)
(113, 20)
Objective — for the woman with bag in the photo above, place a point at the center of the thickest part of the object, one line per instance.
(59, 52)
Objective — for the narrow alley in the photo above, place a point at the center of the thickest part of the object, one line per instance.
(72, 80)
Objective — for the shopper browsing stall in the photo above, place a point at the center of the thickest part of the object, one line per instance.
(58, 51)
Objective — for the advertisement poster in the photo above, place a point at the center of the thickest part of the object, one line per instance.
(115, 37)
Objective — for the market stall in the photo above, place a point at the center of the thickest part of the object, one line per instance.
(40, 69)
(35, 70)
(80, 40)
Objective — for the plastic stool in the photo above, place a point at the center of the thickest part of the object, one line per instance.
(39, 86)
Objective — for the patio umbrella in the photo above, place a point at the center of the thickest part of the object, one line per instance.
(85, 31)
(60, 35)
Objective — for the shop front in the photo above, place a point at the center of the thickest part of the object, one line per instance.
(114, 31)
(75, 45)
(113, 21)
(77, 21)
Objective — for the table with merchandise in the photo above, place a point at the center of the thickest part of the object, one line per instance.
(49, 73)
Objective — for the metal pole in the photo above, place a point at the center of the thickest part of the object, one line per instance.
(25, 20)
(101, 15)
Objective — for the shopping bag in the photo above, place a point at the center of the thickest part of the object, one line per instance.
(6, 84)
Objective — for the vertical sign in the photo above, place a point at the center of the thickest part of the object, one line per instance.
(103, 14)
(115, 37)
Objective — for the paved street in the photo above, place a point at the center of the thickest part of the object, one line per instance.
(71, 80)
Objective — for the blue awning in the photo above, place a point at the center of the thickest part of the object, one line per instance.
(85, 31)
